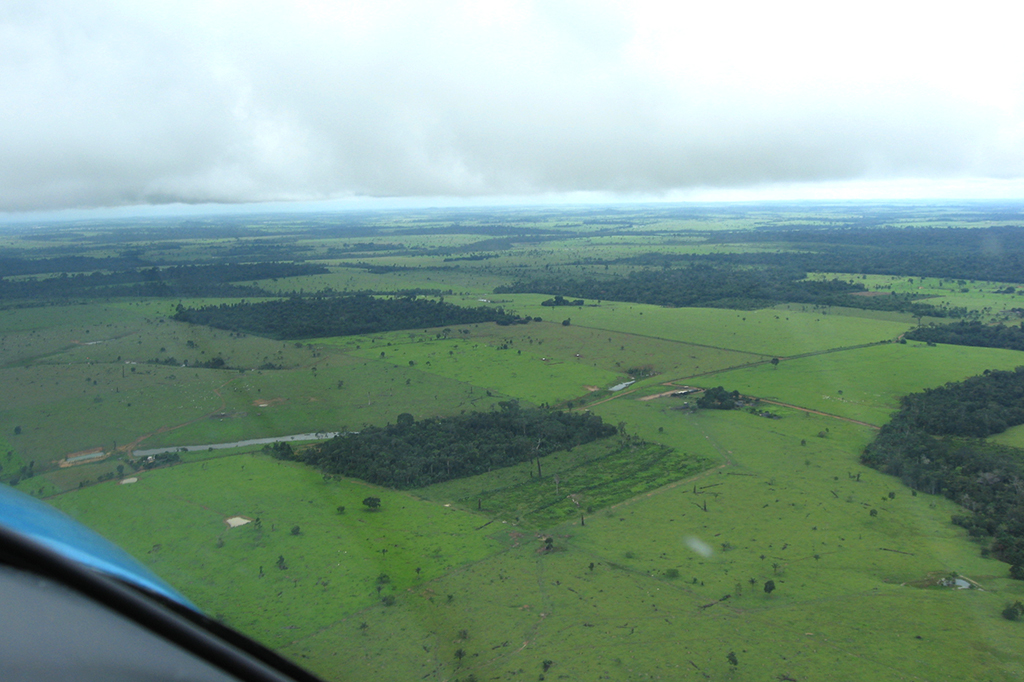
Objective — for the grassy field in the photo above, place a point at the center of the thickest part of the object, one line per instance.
(644, 556)
(849, 383)
(174, 519)
(764, 332)
(539, 362)
(627, 596)
(863, 586)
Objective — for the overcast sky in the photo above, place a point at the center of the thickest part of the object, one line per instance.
(108, 103)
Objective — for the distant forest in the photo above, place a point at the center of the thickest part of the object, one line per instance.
(763, 277)
(413, 454)
(972, 334)
(957, 253)
(723, 286)
(933, 444)
(175, 281)
(303, 318)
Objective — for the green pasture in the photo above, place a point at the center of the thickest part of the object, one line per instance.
(975, 295)
(64, 409)
(537, 362)
(627, 596)
(1013, 436)
(103, 405)
(863, 383)
(661, 538)
(504, 368)
(343, 393)
(131, 333)
(885, 315)
(765, 332)
(174, 520)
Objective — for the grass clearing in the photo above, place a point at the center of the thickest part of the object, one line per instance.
(573, 484)
(765, 332)
(173, 519)
(603, 600)
(538, 362)
(849, 383)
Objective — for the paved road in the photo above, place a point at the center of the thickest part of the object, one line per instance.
(237, 443)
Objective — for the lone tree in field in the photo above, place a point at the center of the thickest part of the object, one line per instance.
(769, 586)
(775, 363)
(372, 503)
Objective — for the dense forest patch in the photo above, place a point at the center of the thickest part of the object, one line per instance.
(707, 285)
(932, 445)
(971, 333)
(176, 281)
(303, 318)
(957, 253)
(413, 454)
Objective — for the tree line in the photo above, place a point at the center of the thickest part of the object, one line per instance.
(935, 444)
(993, 253)
(717, 285)
(302, 318)
(176, 281)
(972, 333)
(413, 454)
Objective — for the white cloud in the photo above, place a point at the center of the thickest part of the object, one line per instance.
(114, 103)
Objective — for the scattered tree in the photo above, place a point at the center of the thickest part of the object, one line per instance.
(1013, 611)
(372, 503)
(769, 586)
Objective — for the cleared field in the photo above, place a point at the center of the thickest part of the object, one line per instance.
(572, 486)
(852, 384)
(1013, 436)
(984, 297)
(763, 332)
(628, 597)
(644, 556)
(175, 521)
(104, 405)
(539, 362)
